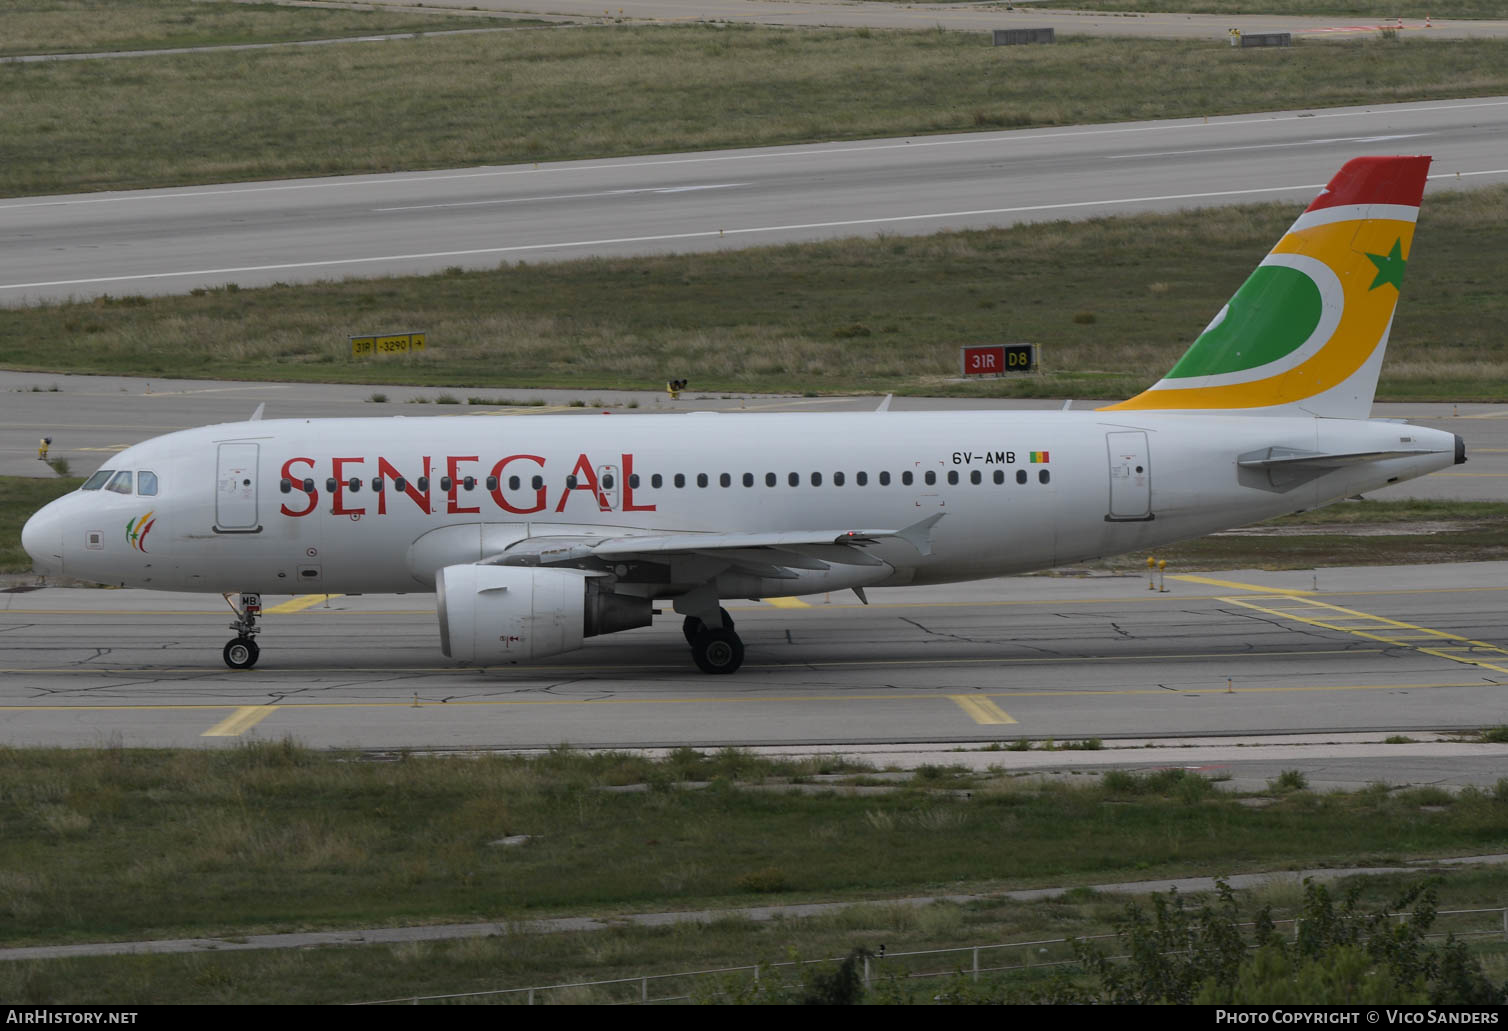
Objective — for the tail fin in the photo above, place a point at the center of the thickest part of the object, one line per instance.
(1306, 333)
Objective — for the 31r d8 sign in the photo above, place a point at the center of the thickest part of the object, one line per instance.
(998, 359)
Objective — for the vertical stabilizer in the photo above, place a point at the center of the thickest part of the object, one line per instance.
(1307, 331)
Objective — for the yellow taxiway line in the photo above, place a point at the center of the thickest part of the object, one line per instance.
(1302, 607)
(240, 721)
(981, 709)
(298, 604)
(787, 603)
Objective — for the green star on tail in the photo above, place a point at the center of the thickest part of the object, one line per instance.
(1389, 268)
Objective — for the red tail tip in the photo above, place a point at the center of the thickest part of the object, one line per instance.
(1376, 180)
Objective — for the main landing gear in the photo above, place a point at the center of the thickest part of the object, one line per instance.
(241, 651)
(714, 649)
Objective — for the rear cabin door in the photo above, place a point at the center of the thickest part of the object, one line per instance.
(1130, 476)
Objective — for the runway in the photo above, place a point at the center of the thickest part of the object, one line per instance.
(172, 241)
(1242, 653)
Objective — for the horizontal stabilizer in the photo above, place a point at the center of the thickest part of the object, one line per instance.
(1296, 458)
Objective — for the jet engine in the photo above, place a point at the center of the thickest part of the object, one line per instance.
(500, 614)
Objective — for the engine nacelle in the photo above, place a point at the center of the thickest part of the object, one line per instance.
(500, 614)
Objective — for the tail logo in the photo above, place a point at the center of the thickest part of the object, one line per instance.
(137, 530)
(1389, 268)
(1307, 330)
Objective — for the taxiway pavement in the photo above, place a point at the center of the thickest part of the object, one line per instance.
(1248, 653)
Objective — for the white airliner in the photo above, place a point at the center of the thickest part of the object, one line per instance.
(537, 533)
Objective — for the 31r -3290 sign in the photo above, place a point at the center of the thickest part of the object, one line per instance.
(998, 359)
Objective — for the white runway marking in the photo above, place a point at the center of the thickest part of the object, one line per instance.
(565, 196)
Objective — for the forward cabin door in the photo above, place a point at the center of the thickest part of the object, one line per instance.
(236, 489)
(1130, 476)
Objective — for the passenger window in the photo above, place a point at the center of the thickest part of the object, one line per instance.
(794, 479)
(657, 481)
(861, 478)
(633, 481)
(399, 483)
(492, 483)
(285, 485)
(748, 479)
(976, 478)
(423, 482)
(1043, 476)
(513, 483)
(680, 480)
(931, 477)
(571, 482)
(884, 479)
(953, 477)
(770, 479)
(837, 479)
(537, 483)
(122, 482)
(1020, 475)
(330, 485)
(146, 484)
(906, 478)
(725, 480)
(701, 479)
(97, 481)
(445, 484)
(999, 475)
(377, 484)
(354, 484)
(816, 479)
(607, 482)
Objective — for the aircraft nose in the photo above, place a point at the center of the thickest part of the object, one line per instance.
(42, 537)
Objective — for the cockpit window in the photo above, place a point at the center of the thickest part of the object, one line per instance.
(97, 481)
(122, 482)
(146, 484)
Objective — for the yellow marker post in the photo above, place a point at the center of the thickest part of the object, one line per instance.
(1151, 564)
(1162, 575)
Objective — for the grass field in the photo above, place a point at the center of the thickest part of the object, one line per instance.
(120, 844)
(1111, 313)
(589, 92)
(20, 496)
(92, 26)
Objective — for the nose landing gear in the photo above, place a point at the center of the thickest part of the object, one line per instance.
(241, 651)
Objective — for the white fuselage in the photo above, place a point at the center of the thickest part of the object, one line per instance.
(1017, 491)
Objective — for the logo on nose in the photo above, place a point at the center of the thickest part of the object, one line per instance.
(137, 530)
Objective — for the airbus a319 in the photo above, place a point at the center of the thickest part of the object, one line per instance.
(536, 534)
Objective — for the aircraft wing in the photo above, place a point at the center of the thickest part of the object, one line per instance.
(770, 554)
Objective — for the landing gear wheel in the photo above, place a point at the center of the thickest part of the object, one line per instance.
(717, 651)
(241, 653)
(694, 626)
